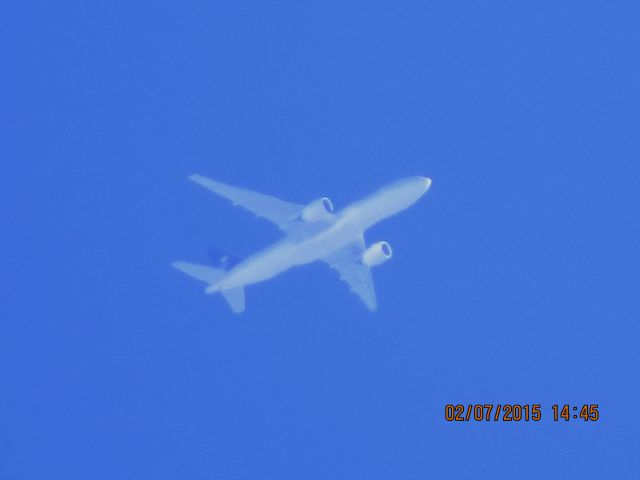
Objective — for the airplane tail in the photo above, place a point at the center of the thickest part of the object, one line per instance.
(211, 276)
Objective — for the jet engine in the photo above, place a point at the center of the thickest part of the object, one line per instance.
(317, 210)
(376, 254)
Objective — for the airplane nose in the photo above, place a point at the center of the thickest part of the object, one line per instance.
(426, 182)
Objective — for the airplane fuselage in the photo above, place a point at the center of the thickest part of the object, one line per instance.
(342, 228)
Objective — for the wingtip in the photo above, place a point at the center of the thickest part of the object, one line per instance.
(205, 182)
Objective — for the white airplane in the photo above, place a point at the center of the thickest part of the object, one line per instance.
(313, 232)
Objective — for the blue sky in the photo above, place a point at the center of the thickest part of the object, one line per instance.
(514, 280)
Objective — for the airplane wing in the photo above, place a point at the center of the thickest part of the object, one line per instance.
(277, 211)
(347, 262)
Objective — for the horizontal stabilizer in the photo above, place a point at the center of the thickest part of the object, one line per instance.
(235, 298)
(201, 272)
(210, 275)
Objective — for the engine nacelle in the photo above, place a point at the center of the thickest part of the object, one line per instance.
(376, 254)
(317, 210)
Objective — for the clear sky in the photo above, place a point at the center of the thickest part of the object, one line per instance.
(514, 280)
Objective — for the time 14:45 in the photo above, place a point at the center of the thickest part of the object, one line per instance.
(568, 412)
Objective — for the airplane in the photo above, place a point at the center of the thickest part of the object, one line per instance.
(313, 232)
